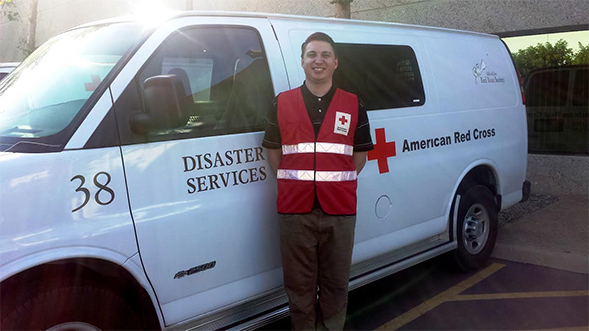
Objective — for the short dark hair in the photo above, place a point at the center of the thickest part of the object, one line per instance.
(318, 36)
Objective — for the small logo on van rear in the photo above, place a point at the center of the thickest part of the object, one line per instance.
(477, 71)
(485, 77)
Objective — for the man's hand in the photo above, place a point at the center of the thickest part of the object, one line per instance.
(359, 160)
(274, 157)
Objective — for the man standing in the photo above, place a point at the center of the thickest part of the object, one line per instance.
(317, 139)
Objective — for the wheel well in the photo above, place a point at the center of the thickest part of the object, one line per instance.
(480, 175)
(82, 270)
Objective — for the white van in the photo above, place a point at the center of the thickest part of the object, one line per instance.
(6, 68)
(135, 192)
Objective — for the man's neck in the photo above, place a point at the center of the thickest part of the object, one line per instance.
(318, 90)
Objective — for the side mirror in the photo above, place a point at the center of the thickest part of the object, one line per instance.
(165, 102)
(140, 123)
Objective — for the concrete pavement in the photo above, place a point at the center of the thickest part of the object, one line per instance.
(555, 236)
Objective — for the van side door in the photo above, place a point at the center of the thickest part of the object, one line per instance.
(201, 192)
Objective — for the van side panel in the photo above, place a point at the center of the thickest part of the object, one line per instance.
(478, 86)
(472, 72)
(73, 199)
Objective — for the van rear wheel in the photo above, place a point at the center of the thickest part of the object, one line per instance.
(476, 228)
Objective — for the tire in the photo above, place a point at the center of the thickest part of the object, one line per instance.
(476, 228)
(71, 307)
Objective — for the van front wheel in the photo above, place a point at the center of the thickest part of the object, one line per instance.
(85, 306)
(476, 228)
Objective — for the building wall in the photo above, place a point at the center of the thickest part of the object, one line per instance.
(59, 15)
(558, 174)
(490, 16)
(13, 34)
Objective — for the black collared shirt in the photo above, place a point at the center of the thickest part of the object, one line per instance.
(316, 108)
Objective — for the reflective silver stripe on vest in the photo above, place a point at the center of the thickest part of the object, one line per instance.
(335, 148)
(321, 148)
(298, 148)
(322, 176)
(335, 176)
(295, 174)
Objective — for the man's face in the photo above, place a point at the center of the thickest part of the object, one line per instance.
(319, 62)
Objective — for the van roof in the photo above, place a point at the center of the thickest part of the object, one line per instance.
(178, 14)
(9, 64)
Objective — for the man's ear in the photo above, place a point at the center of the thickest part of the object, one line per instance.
(336, 63)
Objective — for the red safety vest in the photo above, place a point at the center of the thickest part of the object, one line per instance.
(325, 165)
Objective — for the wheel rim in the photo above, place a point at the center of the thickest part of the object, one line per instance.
(71, 326)
(475, 230)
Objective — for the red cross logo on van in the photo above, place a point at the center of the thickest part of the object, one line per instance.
(382, 151)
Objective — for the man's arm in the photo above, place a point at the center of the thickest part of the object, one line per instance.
(272, 140)
(359, 160)
(362, 138)
(274, 157)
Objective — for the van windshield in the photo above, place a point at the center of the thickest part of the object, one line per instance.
(45, 94)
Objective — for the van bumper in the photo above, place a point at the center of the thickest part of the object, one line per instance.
(526, 191)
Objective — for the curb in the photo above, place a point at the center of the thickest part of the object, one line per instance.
(547, 258)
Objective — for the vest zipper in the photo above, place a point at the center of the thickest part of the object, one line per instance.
(315, 171)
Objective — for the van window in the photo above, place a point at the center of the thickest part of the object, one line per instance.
(383, 76)
(556, 125)
(199, 72)
(581, 88)
(42, 100)
(549, 88)
(225, 79)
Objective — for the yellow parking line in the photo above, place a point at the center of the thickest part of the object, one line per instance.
(574, 328)
(445, 296)
(519, 295)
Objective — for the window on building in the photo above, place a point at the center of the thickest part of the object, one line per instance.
(383, 76)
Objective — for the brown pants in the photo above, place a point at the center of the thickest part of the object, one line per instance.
(316, 255)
